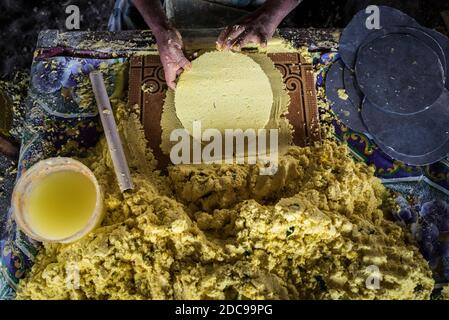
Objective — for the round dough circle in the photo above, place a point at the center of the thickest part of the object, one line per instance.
(224, 90)
(400, 73)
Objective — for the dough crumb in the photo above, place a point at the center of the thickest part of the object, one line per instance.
(315, 230)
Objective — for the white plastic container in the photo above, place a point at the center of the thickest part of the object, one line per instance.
(29, 182)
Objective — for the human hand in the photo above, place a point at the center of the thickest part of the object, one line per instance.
(257, 28)
(170, 46)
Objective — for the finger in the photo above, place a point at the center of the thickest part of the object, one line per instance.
(181, 70)
(263, 41)
(241, 40)
(222, 38)
(184, 63)
(170, 74)
(188, 66)
(175, 44)
(236, 32)
(171, 85)
(245, 39)
(178, 34)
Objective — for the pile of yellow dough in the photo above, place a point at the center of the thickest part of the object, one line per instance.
(312, 231)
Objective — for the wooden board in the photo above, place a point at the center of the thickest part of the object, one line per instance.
(297, 74)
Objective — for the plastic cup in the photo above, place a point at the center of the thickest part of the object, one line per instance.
(31, 178)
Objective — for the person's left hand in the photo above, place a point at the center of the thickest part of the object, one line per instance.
(170, 47)
(257, 28)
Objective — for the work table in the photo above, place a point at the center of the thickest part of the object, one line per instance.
(55, 127)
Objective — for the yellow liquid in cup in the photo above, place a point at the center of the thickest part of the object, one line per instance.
(60, 204)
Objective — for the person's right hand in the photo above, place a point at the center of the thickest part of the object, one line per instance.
(170, 46)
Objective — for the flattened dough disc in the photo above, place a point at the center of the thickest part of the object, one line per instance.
(400, 73)
(224, 90)
(412, 135)
(429, 158)
(346, 111)
(356, 31)
(444, 43)
(352, 87)
(433, 39)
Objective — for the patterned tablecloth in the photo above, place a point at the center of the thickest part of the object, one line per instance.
(60, 122)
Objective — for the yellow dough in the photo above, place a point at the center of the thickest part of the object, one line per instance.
(312, 231)
(224, 90)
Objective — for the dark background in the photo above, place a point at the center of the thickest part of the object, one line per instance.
(21, 20)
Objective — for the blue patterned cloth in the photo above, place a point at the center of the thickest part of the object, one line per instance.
(56, 124)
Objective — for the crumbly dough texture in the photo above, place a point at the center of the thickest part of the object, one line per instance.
(220, 231)
(224, 90)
